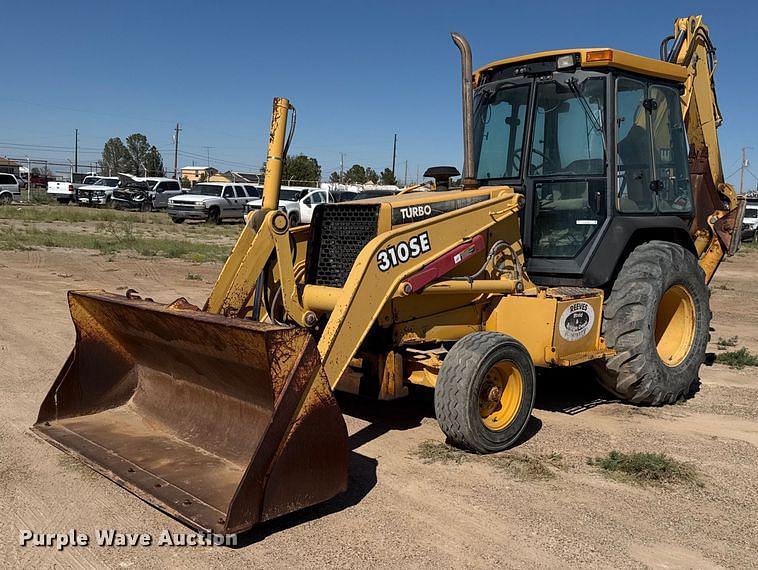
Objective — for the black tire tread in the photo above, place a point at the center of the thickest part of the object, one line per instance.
(450, 401)
(630, 373)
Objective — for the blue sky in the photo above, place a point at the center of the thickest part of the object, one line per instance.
(356, 71)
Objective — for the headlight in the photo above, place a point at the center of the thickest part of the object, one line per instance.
(566, 61)
(201, 206)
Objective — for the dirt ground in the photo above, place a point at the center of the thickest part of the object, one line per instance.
(400, 510)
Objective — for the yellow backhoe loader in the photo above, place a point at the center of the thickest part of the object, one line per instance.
(593, 213)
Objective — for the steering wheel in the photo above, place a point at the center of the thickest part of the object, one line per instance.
(545, 160)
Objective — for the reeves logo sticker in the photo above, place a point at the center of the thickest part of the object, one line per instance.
(394, 255)
(576, 321)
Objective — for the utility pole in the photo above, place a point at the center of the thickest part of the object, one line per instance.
(176, 151)
(28, 179)
(394, 154)
(208, 154)
(342, 166)
(405, 177)
(743, 166)
(76, 151)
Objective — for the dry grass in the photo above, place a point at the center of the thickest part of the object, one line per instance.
(523, 467)
(436, 452)
(517, 465)
(646, 468)
(112, 239)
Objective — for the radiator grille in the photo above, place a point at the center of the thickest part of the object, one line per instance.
(339, 233)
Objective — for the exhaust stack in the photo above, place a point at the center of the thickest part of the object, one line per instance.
(469, 179)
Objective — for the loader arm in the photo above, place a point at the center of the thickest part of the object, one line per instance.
(718, 208)
(369, 287)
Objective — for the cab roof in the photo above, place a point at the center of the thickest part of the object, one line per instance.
(590, 58)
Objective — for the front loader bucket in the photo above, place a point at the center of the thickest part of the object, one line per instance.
(223, 423)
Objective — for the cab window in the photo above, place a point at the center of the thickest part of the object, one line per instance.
(569, 136)
(633, 173)
(499, 127)
(240, 192)
(652, 171)
(567, 165)
(228, 192)
(674, 194)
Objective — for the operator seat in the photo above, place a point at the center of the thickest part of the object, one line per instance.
(634, 152)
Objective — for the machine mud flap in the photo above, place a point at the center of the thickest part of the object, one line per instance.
(223, 423)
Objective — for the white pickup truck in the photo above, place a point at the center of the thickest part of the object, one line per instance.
(297, 202)
(97, 194)
(65, 192)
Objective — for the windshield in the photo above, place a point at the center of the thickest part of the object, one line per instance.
(111, 182)
(751, 213)
(568, 128)
(205, 190)
(499, 118)
(291, 195)
(90, 179)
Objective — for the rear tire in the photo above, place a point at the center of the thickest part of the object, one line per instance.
(294, 219)
(177, 220)
(657, 318)
(485, 392)
(5, 199)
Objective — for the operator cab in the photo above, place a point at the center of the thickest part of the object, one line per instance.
(594, 139)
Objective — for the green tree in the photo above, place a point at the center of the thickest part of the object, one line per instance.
(114, 157)
(388, 178)
(185, 182)
(137, 149)
(154, 162)
(356, 174)
(334, 177)
(301, 168)
(371, 175)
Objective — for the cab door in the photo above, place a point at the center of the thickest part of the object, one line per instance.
(308, 204)
(240, 200)
(229, 205)
(566, 170)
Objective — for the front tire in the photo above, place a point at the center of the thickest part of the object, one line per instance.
(294, 219)
(214, 216)
(485, 392)
(657, 319)
(177, 220)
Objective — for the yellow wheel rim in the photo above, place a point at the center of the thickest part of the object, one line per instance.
(500, 395)
(675, 325)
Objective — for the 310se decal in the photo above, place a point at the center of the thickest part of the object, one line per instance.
(394, 255)
(576, 321)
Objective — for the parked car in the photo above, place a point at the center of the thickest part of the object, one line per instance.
(10, 189)
(212, 202)
(750, 223)
(65, 192)
(145, 193)
(98, 194)
(298, 203)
